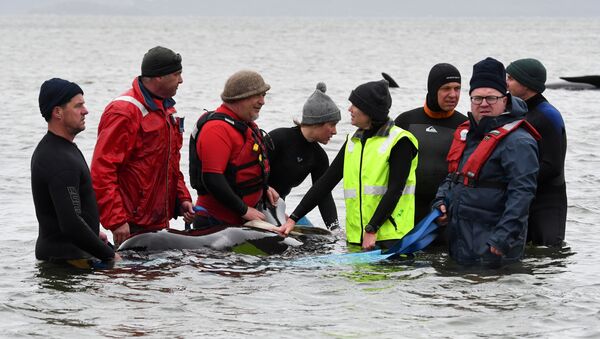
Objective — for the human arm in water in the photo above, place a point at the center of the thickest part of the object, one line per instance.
(217, 185)
(324, 185)
(64, 191)
(327, 204)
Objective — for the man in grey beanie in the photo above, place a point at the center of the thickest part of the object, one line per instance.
(526, 79)
(229, 166)
(297, 153)
(135, 168)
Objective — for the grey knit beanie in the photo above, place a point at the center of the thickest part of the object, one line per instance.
(529, 72)
(319, 108)
(242, 85)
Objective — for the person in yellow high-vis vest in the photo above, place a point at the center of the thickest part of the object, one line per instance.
(378, 164)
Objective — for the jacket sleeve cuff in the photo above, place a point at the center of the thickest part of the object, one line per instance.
(502, 246)
(243, 210)
(114, 226)
(436, 204)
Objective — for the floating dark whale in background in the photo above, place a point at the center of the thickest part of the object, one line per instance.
(576, 83)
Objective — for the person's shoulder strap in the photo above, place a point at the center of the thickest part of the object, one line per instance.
(213, 115)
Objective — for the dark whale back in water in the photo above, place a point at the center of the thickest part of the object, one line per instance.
(234, 238)
(576, 83)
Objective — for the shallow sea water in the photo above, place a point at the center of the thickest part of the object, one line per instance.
(553, 293)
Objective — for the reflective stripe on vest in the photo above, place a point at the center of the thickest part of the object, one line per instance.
(349, 193)
(365, 180)
(134, 101)
(380, 190)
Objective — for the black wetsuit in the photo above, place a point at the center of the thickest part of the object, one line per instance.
(548, 211)
(292, 160)
(399, 164)
(435, 137)
(65, 203)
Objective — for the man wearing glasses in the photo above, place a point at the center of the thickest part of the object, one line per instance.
(135, 168)
(493, 166)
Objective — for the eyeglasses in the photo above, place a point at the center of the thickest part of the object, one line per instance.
(490, 99)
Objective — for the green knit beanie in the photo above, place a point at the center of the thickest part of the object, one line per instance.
(529, 72)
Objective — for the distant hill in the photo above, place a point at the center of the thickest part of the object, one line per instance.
(310, 8)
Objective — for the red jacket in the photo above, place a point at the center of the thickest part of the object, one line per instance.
(135, 168)
(221, 147)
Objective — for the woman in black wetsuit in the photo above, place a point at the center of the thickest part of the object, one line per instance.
(65, 203)
(297, 152)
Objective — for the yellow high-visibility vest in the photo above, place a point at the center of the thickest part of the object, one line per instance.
(366, 177)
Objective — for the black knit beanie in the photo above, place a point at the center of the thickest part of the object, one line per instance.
(439, 75)
(531, 73)
(160, 61)
(56, 92)
(489, 73)
(373, 98)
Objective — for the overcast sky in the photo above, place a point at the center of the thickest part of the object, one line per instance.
(302, 8)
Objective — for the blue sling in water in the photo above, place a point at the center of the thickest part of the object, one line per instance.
(418, 233)
(417, 239)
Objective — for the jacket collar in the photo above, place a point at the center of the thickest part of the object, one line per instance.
(226, 110)
(437, 114)
(150, 100)
(535, 100)
(382, 131)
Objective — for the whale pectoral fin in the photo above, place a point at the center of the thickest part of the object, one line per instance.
(262, 225)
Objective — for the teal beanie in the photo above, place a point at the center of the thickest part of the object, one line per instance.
(529, 72)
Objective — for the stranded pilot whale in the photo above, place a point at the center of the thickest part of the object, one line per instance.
(248, 240)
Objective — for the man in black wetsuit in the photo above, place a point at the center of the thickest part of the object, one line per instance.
(433, 125)
(297, 152)
(526, 79)
(65, 203)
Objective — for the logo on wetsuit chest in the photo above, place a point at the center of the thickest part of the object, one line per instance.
(431, 129)
(299, 159)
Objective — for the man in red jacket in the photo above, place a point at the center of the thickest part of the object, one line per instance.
(135, 168)
(228, 156)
